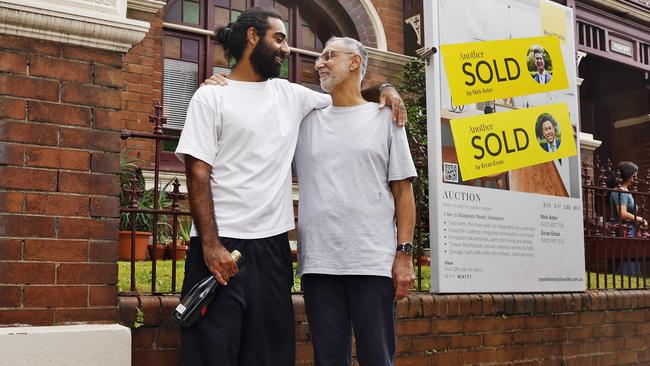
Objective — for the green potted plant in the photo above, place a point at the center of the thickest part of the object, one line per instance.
(164, 229)
(163, 241)
(182, 244)
(143, 222)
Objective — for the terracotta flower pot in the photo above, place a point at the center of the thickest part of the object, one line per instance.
(159, 251)
(141, 241)
(179, 254)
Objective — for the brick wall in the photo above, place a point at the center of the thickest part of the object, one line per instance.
(143, 84)
(59, 152)
(380, 71)
(391, 15)
(589, 328)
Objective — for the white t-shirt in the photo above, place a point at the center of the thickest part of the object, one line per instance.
(345, 159)
(247, 132)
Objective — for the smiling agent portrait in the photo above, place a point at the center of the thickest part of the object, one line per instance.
(542, 76)
(547, 131)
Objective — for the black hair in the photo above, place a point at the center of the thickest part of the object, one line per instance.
(540, 120)
(233, 35)
(626, 170)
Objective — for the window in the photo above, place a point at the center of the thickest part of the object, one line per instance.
(191, 54)
(180, 78)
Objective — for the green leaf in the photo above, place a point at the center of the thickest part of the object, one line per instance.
(139, 318)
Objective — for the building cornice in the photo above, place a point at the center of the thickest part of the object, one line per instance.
(90, 23)
(587, 142)
(392, 57)
(149, 6)
(621, 7)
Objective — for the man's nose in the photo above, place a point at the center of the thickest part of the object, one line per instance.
(285, 49)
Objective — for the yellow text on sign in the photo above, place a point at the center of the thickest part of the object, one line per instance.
(499, 142)
(490, 70)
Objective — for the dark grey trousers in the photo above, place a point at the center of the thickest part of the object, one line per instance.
(337, 304)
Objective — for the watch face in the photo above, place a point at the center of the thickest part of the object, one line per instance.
(407, 248)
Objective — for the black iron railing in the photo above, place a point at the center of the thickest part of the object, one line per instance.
(617, 253)
(156, 213)
(172, 210)
(614, 257)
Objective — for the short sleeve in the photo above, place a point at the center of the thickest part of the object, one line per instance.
(400, 162)
(310, 99)
(199, 137)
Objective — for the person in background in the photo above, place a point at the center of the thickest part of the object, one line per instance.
(624, 209)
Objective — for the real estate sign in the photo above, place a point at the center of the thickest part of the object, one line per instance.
(504, 173)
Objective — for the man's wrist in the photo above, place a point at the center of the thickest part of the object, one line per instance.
(403, 256)
(210, 241)
(406, 247)
(385, 85)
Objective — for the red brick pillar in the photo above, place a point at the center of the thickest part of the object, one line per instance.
(59, 204)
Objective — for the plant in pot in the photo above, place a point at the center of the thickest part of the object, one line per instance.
(164, 229)
(164, 240)
(182, 244)
(140, 222)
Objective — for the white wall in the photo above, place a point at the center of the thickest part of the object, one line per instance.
(68, 345)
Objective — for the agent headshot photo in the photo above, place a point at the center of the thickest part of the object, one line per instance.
(539, 65)
(548, 132)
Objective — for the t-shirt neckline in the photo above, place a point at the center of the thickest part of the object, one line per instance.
(354, 108)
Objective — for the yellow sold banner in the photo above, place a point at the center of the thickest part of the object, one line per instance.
(489, 70)
(498, 142)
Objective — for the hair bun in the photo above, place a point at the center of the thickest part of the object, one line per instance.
(224, 34)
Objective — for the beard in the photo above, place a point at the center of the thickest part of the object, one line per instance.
(263, 61)
(331, 81)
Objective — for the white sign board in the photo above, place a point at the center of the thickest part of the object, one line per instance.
(517, 227)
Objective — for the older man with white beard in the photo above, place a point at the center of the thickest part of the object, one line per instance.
(356, 216)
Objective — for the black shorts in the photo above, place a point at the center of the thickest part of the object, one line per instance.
(250, 321)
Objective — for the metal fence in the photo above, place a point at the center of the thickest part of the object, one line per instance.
(616, 251)
(613, 257)
(167, 211)
(172, 210)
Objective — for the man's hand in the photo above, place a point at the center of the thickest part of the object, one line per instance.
(218, 79)
(220, 262)
(403, 275)
(390, 96)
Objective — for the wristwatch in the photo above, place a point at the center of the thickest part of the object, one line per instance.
(406, 248)
(385, 85)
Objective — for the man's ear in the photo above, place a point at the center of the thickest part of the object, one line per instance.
(251, 36)
(355, 62)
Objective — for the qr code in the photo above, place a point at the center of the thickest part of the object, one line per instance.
(450, 173)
